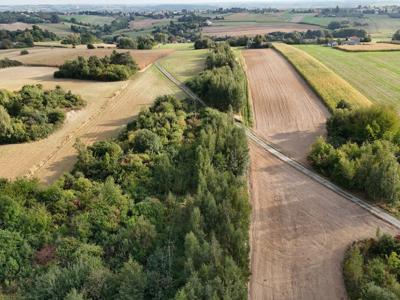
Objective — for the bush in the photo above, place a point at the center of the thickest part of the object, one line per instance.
(7, 63)
(33, 113)
(396, 36)
(24, 52)
(203, 43)
(90, 46)
(117, 67)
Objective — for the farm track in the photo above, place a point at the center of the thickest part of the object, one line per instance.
(301, 225)
(104, 117)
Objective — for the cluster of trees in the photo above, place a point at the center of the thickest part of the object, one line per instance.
(33, 113)
(349, 32)
(160, 213)
(79, 38)
(362, 152)
(25, 38)
(203, 43)
(6, 63)
(141, 42)
(116, 67)
(396, 36)
(371, 269)
(8, 17)
(222, 84)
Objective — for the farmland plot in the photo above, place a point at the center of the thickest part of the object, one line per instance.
(110, 106)
(286, 111)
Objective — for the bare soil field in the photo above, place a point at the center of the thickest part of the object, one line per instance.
(286, 112)
(145, 23)
(299, 233)
(370, 47)
(54, 57)
(252, 30)
(110, 107)
(15, 26)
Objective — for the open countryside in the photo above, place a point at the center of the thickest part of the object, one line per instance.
(200, 151)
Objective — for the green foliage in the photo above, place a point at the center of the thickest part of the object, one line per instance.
(369, 272)
(24, 52)
(203, 43)
(33, 113)
(361, 152)
(118, 66)
(24, 38)
(160, 213)
(223, 84)
(396, 36)
(141, 42)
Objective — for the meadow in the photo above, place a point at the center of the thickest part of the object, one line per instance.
(325, 82)
(91, 19)
(374, 74)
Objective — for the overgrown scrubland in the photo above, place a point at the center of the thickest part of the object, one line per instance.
(160, 213)
(33, 113)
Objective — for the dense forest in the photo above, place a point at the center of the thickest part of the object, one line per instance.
(33, 113)
(371, 269)
(223, 83)
(24, 38)
(116, 67)
(160, 213)
(361, 152)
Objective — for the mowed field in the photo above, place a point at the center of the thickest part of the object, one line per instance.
(299, 229)
(371, 47)
(54, 57)
(15, 26)
(110, 107)
(286, 111)
(238, 29)
(375, 74)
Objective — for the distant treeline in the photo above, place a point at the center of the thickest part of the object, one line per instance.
(116, 67)
(25, 38)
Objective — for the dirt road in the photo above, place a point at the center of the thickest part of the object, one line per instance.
(286, 111)
(299, 233)
(110, 107)
(300, 229)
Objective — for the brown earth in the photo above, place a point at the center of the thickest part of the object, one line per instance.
(110, 107)
(286, 111)
(54, 57)
(370, 47)
(299, 233)
(139, 24)
(15, 26)
(252, 30)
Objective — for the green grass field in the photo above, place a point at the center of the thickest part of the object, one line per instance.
(95, 20)
(327, 84)
(374, 74)
(184, 64)
(61, 29)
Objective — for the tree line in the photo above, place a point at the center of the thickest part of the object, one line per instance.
(223, 83)
(25, 38)
(162, 212)
(116, 67)
(361, 151)
(33, 113)
(371, 268)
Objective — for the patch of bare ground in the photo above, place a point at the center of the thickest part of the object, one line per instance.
(286, 112)
(110, 107)
(54, 57)
(252, 30)
(299, 233)
(144, 23)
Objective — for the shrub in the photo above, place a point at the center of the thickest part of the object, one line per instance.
(7, 63)
(24, 52)
(90, 46)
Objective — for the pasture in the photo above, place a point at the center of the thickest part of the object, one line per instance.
(90, 19)
(326, 83)
(375, 74)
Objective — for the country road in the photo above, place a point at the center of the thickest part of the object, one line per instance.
(301, 225)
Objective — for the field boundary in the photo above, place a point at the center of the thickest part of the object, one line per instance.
(267, 146)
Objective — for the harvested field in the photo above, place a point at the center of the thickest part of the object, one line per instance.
(299, 233)
(15, 26)
(110, 107)
(286, 111)
(146, 23)
(54, 57)
(370, 47)
(326, 83)
(254, 29)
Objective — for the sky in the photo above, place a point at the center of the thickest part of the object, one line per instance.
(149, 2)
